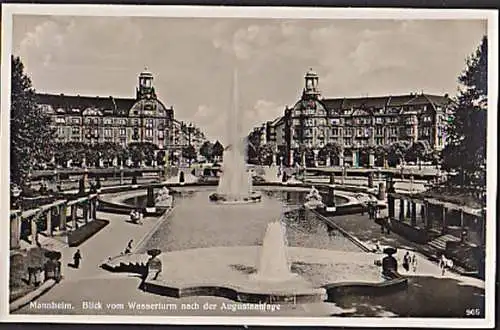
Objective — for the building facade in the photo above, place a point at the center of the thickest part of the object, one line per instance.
(354, 126)
(144, 118)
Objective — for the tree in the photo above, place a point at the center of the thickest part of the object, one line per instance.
(218, 149)
(381, 154)
(30, 128)
(397, 151)
(266, 154)
(419, 151)
(330, 150)
(465, 149)
(189, 153)
(206, 150)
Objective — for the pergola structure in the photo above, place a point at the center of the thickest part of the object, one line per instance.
(425, 218)
(51, 219)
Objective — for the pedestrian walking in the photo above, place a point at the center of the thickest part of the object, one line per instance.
(414, 262)
(442, 264)
(406, 261)
(76, 258)
(128, 249)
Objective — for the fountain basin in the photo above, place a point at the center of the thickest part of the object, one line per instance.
(231, 272)
(253, 197)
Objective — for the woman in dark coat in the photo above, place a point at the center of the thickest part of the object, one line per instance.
(76, 258)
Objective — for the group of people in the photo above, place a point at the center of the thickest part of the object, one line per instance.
(136, 216)
(410, 261)
(445, 263)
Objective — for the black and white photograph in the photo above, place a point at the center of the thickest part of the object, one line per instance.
(218, 165)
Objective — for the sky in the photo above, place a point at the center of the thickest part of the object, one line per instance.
(193, 60)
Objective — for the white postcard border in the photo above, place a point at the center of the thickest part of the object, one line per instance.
(8, 10)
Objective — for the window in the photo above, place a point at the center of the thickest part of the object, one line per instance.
(348, 141)
(76, 120)
(108, 121)
(379, 120)
(123, 131)
(335, 131)
(149, 133)
(108, 133)
(60, 120)
(75, 130)
(379, 130)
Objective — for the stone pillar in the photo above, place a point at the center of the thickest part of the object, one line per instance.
(63, 208)
(94, 208)
(121, 174)
(370, 180)
(426, 218)
(443, 220)
(354, 159)
(315, 153)
(303, 161)
(330, 203)
(49, 222)
(85, 206)
(413, 213)
(401, 209)
(328, 161)
(274, 159)
(341, 159)
(150, 203)
(34, 230)
(15, 231)
(290, 163)
(391, 202)
(371, 160)
(74, 215)
(381, 191)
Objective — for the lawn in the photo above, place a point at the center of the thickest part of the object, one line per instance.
(19, 263)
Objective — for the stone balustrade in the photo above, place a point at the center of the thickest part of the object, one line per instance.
(52, 218)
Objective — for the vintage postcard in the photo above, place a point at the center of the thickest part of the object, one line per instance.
(216, 165)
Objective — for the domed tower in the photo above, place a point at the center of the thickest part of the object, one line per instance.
(311, 90)
(145, 90)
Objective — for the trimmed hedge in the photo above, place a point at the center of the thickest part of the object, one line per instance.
(80, 235)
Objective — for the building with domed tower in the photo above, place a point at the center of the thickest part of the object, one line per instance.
(144, 118)
(350, 130)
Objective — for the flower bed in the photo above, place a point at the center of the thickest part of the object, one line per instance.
(82, 234)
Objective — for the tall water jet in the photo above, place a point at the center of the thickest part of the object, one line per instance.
(235, 183)
(273, 263)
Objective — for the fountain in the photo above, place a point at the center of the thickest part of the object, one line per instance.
(274, 265)
(235, 184)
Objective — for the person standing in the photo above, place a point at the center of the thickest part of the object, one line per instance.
(76, 258)
(406, 261)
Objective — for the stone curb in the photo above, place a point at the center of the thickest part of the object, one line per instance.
(344, 232)
(153, 230)
(26, 299)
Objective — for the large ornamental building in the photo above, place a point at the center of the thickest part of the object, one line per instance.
(356, 126)
(144, 118)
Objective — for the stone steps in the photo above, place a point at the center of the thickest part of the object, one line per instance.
(439, 243)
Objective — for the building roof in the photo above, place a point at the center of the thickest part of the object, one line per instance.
(384, 101)
(77, 104)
